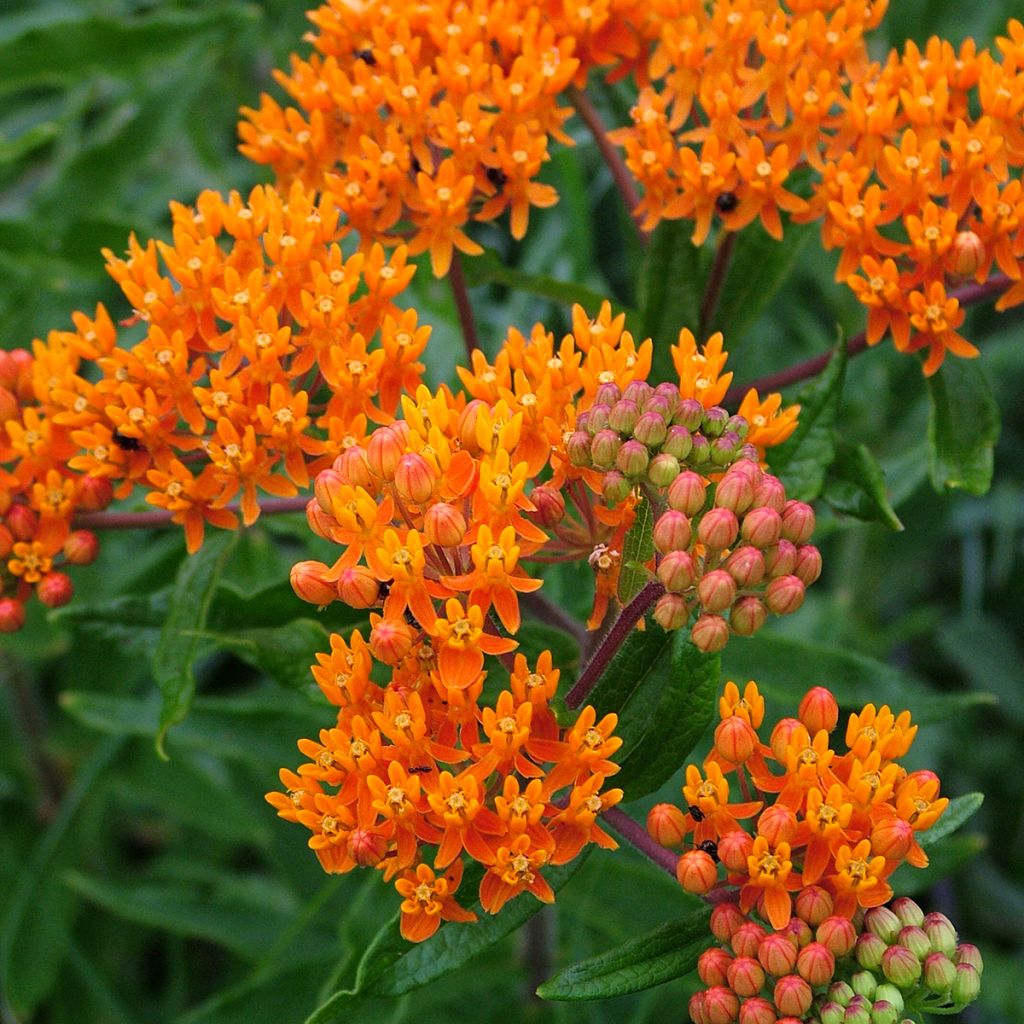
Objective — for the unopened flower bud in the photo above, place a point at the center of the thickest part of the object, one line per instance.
(966, 254)
(819, 710)
(782, 733)
(55, 589)
(353, 466)
(80, 548)
(733, 850)
(816, 964)
(468, 421)
(710, 633)
(746, 976)
(784, 595)
(757, 1011)
(671, 612)
(808, 564)
(746, 566)
(583, 423)
(390, 640)
(908, 912)
(414, 479)
(678, 442)
(695, 1008)
(718, 529)
(761, 527)
(797, 522)
(664, 468)
(604, 448)
(792, 995)
(747, 939)
(689, 414)
(726, 918)
(22, 522)
(778, 954)
(714, 421)
(831, 1013)
(384, 451)
(327, 489)
(308, 583)
(748, 615)
(900, 966)
(770, 493)
(799, 932)
(358, 587)
(9, 405)
(864, 984)
(607, 394)
(650, 429)
(366, 847)
(735, 740)
(966, 984)
(778, 824)
(7, 541)
(724, 449)
(915, 940)
(320, 522)
(700, 453)
(869, 949)
(891, 994)
(716, 590)
(549, 506)
(735, 491)
(696, 872)
(638, 391)
(666, 825)
(672, 532)
(12, 615)
(941, 933)
(668, 393)
(968, 954)
(596, 420)
(938, 972)
(858, 1011)
(841, 993)
(676, 571)
(721, 1005)
(813, 903)
(837, 934)
(780, 559)
(883, 1012)
(632, 459)
(445, 525)
(687, 493)
(738, 425)
(623, 416)
(713, 965)
(882, 922)
(93, 493)
(615, 488)
(578, 448)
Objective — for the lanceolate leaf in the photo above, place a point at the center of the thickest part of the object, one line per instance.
(668, 952)
(683, 710)
(179, 639)
(963, 427)
(637, 550)
(855, 485)
(960, 809)
(802, 461)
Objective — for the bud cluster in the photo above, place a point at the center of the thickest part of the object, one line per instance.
(875, 968)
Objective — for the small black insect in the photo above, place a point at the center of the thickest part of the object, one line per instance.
(366, 56)
(128, 444)
(418, 769)
(710, 847)
(726, 202)
(497, 177)
(695, 812)
(415, 165)
(383, 590)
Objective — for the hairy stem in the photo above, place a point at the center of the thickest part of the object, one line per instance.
(716, 281)
(612, 641)
(636, 835)
(457, 279)
(162, 518)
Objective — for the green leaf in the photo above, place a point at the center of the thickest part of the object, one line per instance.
(179, 639)
(637, 551)
(785, 668)
(12, 150)
(963, 427)
(760, 265)
(960, 809)
(802, 461)
(683, 710)
(855, 485)
(668, 952)
(393, 967)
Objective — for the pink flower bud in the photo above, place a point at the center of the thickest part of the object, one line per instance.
(816, 964)
(770, 493)
(900, 966)
(384, 451)
(761, 527)
(735, 491)
(966, 254)
(726, 918)
(792, 995)
(445, 525)
(908, 912)
(748, 615)
(632, 459)
(734, 848)
(735, 740)
(594, 420)
(714, 421)
(690, 414)
(666, 825)
(721, 1005)
(837, 934)
(716, 590)
(678, 442)
(12, 615)
(710, 633)
(745, 976)
(607, 394)
(784, 595)
(327, 489)
(623, 416)
(651, 429)
(353, 466)
(687, 493)
(780, 560)
(746, 566)
(696, 872)
(778, 954)
(80, 548)
(884, 923)
(819, 710)
(366, 847)
(718, 529)
(638, 391)
(358, 587)
(938, 972)
(604, 448)
(308, 583)
(414, 479)
(807, 567)
(550, 506)
(672, 532)
(55, 589)
(663, 469)
(22, 522)
(93, 493)
(713, 965)
(747, 939)
(671, 612)
(782, 733)
(777, 824)
(797, 522)
(676, 571)
(757, 1011)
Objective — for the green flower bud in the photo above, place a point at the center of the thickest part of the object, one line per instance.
(678, 442)
(901, 967)
(915, 940)
(864, 984)
(883, 1012)
(968, 954)
(938, 972)
(881, 921)
(966, 985)
(664, 468)
(941, 934)
(909, 913)
(690, 414)
(891, 994)
(714, 421)
(651, 429)
(868, 950)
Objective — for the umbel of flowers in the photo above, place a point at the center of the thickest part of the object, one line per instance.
(798, 869)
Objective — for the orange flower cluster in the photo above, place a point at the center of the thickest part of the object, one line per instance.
(927, 145)
(832, 825)
(421, 118)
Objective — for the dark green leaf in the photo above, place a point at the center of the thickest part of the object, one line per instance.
(785, 668)
(12, 150)
(802, 461)
(179, 640)
(683, 710)
(963, 427)
(637, 551)
(855, 485)
(960, 809)
(668, 952)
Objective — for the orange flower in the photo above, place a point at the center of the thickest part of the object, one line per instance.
(427, 900)
(769, 869)
(858, 879)
(516, 869)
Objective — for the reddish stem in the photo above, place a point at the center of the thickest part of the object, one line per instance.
(716, 281)
(457, 279)
(161, 519)
(636, 835)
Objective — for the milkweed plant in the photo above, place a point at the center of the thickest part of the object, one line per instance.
(524, 542)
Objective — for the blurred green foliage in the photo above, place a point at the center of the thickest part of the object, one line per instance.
(134, 890)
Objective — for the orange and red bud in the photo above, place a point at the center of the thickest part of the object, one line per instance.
(837, 934)
(671, 612)
(761, 527)
(549, 506)
(718, 529)
(726, 919)
(721, 1005)
(414, 479)
(55, 589)
(696, 872)
(93, 493)
(672, 532)
(813, 904)
(816, 964)
(716, 590)
(367, 847)
(778, 954)
(81, 547)
(677, 571)
(778, 824)
(710, 633)
(734, 848)
(748, 615)
(309, 585)
(713, 966)
(747, 939)
(757, 1011)
(892, 838)
(797, 522)
(735, 740)
(358, 587)
(745, 976)
(445, 525)
(22, 522)
(666, 825)
(966, 254)
(792, 995)
(12, 615)
(384, 451)
(746, 565)
(687, 493)
(784, 595)
(819, 710)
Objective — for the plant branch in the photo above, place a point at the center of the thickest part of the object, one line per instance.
(163, 518)
(612, 641)
(636, 835)
(610, 154)
(716, 281)
(969, 295)
(457, 279)
(543, 610)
